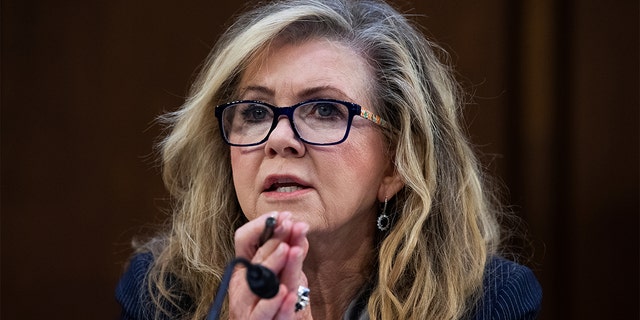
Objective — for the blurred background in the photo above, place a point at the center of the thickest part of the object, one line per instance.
(553, 113)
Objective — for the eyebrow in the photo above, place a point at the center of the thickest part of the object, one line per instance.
(257, 89)
(303, 95)
(309, 92)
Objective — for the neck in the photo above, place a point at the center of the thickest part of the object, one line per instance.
(336, 272)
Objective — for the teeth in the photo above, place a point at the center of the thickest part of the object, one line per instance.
(288, 189)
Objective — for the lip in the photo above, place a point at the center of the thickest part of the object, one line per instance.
(283, 182)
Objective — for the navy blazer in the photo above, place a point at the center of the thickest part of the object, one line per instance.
(511, 291)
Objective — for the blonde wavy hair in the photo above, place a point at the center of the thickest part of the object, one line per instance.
(430, 264)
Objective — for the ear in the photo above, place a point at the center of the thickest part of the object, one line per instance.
(391, 184)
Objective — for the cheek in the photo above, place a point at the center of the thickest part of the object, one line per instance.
(243, 164)
(363, 159)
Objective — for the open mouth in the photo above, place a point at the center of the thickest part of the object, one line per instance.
(284, 186)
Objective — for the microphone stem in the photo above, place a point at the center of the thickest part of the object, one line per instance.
(214, 312)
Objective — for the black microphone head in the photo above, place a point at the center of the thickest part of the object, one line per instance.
(262, 281)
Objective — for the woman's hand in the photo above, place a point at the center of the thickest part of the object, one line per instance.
(283, 254)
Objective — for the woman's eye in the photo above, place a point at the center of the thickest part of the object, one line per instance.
(325, 110)
(255, 113)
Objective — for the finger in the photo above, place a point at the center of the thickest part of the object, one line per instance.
(288, 307)
(268, 308)
(283, 226)
(266, 250)
(283, 233)
(292, 275)
(298, 237)
(292, 233)
(247, 237)
(241, 299)
(277, 259)
(297, 249)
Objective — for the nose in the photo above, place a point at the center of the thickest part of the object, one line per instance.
(283, 141)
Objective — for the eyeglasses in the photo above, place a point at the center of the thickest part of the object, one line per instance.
(317, 122)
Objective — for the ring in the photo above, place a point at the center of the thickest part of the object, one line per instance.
(303, 298)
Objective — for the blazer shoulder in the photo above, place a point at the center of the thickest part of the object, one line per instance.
(510, 291)
(131, 292)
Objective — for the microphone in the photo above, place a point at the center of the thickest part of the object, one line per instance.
(262, 282)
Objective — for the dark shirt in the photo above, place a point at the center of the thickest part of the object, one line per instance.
(511, 291)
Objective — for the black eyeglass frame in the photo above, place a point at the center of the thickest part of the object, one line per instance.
(354, 110)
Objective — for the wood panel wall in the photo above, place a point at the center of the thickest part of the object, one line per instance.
(554, 113)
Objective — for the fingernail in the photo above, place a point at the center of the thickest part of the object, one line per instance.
(286, 223)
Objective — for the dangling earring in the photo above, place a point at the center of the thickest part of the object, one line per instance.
(383, 218)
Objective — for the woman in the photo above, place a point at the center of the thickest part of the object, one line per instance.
(379, 202)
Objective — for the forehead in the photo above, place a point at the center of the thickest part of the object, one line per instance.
(293, 70)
